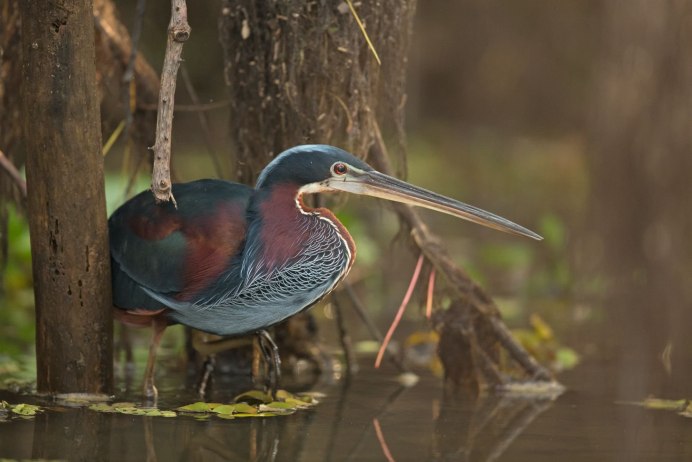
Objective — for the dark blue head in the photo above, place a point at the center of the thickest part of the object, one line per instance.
(307, 164)
(321, 168)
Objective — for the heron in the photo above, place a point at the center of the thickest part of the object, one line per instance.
(233, 260)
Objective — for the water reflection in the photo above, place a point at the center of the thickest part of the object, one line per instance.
(370, 418)
(362, 419)
(487, 429)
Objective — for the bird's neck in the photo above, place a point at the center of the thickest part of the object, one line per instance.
(287, 222)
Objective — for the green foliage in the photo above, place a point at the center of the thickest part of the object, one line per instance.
(543, 345)
(253, 403)
(8, 410)
(131, 409)
(16, 293)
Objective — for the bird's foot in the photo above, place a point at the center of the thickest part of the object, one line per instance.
(270, 353)
(151, 394)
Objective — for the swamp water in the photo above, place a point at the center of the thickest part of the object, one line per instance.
(372, 417)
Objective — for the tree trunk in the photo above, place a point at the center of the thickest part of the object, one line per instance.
(66, 200)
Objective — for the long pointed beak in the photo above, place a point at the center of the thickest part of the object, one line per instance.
(376, 184)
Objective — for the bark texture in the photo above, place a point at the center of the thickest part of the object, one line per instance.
(66, 201)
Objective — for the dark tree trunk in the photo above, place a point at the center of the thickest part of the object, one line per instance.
(66, 201)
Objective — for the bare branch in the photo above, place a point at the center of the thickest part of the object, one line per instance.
(460, 282)
(178, 33)
(13, 173)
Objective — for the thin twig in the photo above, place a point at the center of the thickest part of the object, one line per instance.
(400, 311)
(178, 33)
(13, 173)
(363, 31)
(112, 138)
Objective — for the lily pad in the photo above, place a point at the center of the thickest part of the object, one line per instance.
(131, 409)
(25, 409)
(254, 397)
(279, 408)
(197, 407)
(236, 408)
(254, 403)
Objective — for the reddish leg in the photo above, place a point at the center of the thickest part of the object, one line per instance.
(159, 326)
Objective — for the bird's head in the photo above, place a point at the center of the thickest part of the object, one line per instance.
(321, 168)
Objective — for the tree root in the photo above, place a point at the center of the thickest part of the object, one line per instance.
(481, 328)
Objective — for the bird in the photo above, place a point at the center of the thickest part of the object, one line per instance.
(231, 260)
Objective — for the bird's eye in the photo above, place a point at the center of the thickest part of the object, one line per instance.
(339, 168)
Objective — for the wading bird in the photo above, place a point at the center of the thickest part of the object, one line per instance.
(232, 260)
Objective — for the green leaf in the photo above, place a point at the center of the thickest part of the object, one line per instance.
(198, 407)
(253, 396)
(553, 231)
(678, 405)
(25, 409)
(102, 407)
(236, 408)
(566, 358)
(277, 408)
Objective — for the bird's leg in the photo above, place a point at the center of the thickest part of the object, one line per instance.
(159, 326)
(207, 369)
(270, 353)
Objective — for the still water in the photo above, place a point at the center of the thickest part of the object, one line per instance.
(372, 417)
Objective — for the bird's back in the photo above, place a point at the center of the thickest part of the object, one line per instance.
(173, 251)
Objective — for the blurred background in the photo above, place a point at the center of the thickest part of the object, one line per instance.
(571, 118)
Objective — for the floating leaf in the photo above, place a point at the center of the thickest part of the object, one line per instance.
(679, 405)
(124, 404)
(198, 407)
(236, 408)
(298, 403)
(25, 409)
(253, 396)
(159, 413)
(265, 414)
(131, 409)
(102, 407)
(312, 395)
(278, 408)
